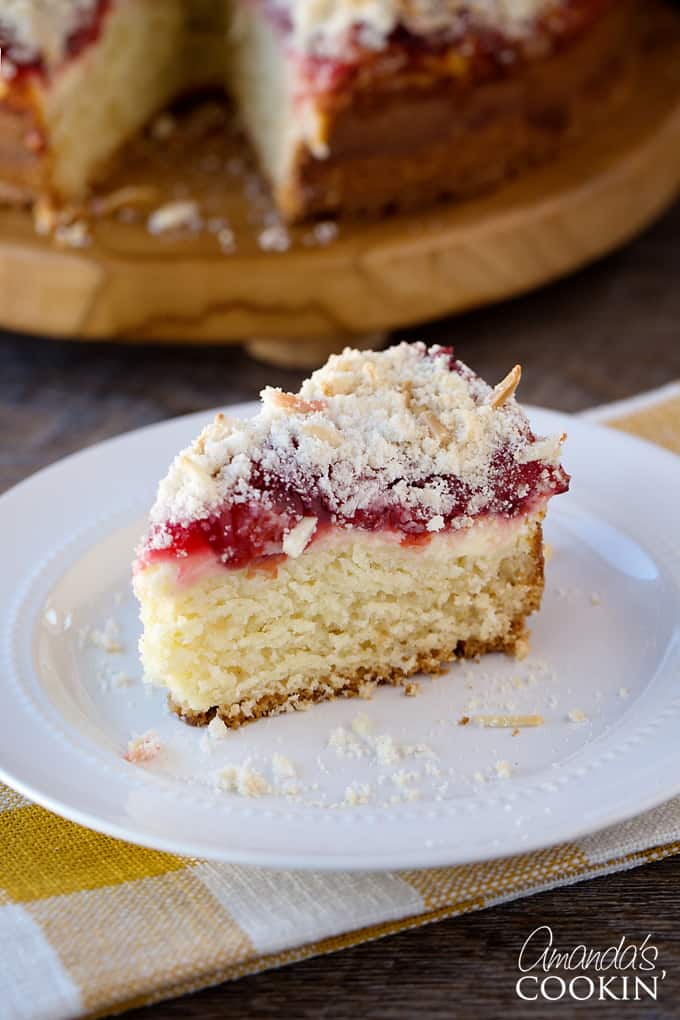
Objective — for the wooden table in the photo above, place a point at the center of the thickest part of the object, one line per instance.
(608, 332)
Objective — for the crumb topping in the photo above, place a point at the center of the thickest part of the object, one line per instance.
(143, 748)
(42, 29)
(325, 26)
(407, 436)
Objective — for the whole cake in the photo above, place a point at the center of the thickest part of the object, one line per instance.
(382, 521)
(351, 105)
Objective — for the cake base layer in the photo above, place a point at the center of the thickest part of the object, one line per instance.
(354, 610)
(360, 686)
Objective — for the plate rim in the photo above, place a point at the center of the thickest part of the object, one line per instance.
(423, 857)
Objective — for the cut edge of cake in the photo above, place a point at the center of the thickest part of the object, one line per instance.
(327, 144)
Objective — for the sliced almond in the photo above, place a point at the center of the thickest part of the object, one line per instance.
(505, 389)
(123, 198)
(508, 721)
(325, 433)
(370, 370)
(297, 540)
(338, 386)
(436, 427)
(291, 402)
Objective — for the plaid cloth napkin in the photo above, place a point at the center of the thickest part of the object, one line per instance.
(90, 925)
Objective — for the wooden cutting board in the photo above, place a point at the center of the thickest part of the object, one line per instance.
(292, 304)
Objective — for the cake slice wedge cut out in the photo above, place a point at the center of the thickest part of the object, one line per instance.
(381, 522)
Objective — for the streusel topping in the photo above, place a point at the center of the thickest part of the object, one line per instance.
(42, 28)
(323, 26)
(407, 431)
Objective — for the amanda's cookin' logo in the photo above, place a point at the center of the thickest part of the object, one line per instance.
(625, 972)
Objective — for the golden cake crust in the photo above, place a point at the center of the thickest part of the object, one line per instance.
(431, 663)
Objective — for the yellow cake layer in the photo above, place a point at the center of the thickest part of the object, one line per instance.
(355, 607)
(98, 101)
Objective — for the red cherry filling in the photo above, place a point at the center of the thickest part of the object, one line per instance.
(242, 533)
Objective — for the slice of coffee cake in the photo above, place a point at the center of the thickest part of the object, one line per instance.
(382, 521)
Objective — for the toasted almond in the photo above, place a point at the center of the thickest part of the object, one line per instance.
(505, 389)
(200, 474)
(324, 433)
(436, 427)
(291, 402)
(338, 387)
(508, 721)
(105, 205)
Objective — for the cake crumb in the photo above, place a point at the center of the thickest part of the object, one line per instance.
(243, 780)
(522, 647)
(73, 235)
(324, 232)
(121, 679)
(412, 690)
(344, 743)
(503, 770)
(362, 725)
(624, 692)
(175, 216)
(402, 778)
(386, 750)
(356, 794)
(577, 716)
(226, 240)
(464, 720)
(217, 729)
(108, 638)
(274, 238)
(144, 748)
(548, 552)
(595, 599)
(283, 767)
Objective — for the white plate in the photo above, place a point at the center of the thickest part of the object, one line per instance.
(605, 644)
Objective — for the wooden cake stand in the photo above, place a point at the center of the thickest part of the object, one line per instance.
(294, 305)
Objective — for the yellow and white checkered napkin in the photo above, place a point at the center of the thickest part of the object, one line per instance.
(89, 924)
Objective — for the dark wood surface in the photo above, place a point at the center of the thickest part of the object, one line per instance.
(608, 332)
